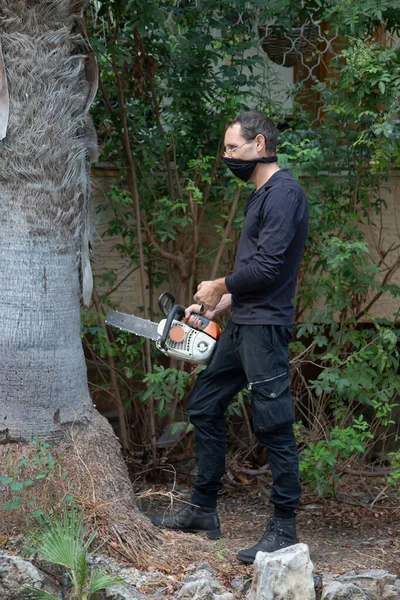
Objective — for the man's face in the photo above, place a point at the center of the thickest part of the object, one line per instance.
(236, 146)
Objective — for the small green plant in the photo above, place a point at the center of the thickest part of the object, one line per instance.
(63, 540)
(236, 406)
(25, 474)
(221, 551)
(320, 461)
(165, 384)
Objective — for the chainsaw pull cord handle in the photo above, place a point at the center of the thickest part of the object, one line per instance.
(166, 301)
(177, 313)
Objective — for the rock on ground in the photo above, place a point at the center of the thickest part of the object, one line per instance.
(241, 585)
(286, 573)
(371, 585)
(283, 575)
(343, 591)
(201, 584)
(17, 574)
(122, 592)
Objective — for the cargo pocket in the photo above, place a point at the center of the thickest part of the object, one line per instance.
(272, 403)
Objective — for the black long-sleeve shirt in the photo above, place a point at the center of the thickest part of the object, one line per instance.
(269, 252)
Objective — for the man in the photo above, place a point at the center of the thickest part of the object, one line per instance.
(253, 348)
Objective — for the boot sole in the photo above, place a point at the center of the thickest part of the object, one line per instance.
(248, 560)
(213, 534)
(245, 559)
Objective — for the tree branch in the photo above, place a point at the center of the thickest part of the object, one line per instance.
(132, 185)
(379, 294)
(226, 234)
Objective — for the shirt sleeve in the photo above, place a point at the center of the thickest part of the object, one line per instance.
(277, 229)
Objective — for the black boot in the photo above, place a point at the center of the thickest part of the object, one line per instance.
(280, 534)
(191, 519)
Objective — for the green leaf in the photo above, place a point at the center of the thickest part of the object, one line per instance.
(100, 580)
(37, 513)
(6, 480)
(80, 570)
(14, 504)
(17, 486)
(61, 540)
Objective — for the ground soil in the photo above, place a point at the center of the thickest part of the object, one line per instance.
(358, 531)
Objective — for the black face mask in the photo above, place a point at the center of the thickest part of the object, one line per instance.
(244, 168)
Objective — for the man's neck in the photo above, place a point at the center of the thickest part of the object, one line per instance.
(263, 172)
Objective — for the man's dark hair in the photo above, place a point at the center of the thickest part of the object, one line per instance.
(252, 123)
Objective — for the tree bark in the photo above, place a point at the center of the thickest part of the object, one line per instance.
(44, 236)
(44, 185)
(43, 385)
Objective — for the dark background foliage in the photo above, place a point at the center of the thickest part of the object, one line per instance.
(171, 75)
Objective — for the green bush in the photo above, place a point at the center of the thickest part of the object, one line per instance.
(178, 72)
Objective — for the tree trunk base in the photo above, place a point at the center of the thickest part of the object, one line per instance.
(87, 465)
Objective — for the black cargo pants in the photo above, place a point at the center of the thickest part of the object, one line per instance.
(256, 355)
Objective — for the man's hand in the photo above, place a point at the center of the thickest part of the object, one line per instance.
(193, 321)
(209, 293)
(222, 307)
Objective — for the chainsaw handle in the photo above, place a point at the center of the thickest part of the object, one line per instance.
(208, 326)
(204, 321)
(177, 312)
(166, 301)
(173, 311)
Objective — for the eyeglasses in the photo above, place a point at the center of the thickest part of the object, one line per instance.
(230, 151)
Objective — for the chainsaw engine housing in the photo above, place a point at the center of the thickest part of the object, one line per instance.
(196, 346)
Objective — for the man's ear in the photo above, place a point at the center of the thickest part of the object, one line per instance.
(260, 142)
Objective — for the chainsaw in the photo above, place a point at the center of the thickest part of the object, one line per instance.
(171, 335)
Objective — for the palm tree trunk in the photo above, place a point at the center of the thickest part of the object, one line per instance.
(44, 267)
(43, 385)
(44, 186)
